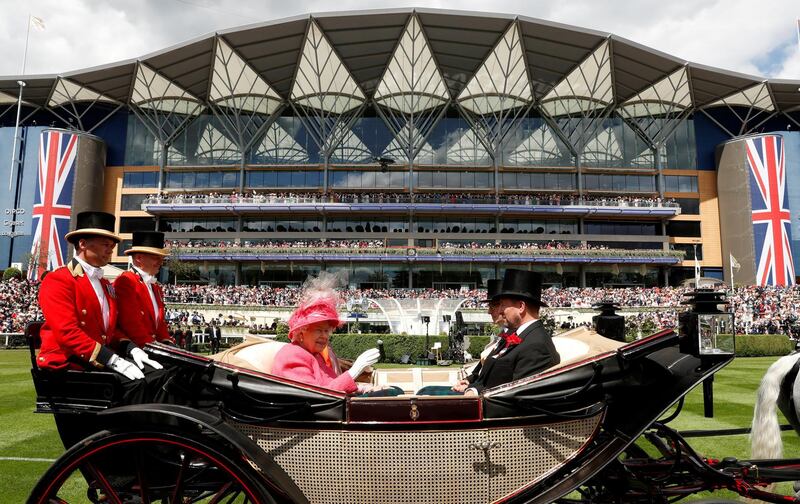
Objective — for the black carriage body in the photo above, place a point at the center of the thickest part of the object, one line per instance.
(534, 440)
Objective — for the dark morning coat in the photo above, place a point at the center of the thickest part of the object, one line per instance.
(535, 353)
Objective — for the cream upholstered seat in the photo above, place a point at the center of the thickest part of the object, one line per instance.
(582, 343)
(253, 354)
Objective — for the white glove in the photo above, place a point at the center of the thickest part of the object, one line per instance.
(367, 358)
(124, 368)
(140, 357)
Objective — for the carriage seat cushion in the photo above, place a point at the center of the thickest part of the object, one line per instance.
(581, 343)
(252, 354)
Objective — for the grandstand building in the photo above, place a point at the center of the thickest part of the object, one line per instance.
(429, 149)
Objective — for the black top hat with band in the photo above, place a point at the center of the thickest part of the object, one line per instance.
(89, 224)
(492, 288)
(521, 284)
(148, 242)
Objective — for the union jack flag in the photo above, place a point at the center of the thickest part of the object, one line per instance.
(771, 217)
(52, 206)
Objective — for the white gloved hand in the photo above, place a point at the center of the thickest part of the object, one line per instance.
(141, 358)
(367, 358)
(124, 368)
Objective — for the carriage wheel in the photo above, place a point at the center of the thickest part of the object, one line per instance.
(119, 467)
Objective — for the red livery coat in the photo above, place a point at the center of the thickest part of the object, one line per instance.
(136, 318)
(73, 330)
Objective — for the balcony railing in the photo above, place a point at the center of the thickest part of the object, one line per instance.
(526, 200)
(423, 254)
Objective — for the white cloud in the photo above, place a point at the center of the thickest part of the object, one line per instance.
(729, 34)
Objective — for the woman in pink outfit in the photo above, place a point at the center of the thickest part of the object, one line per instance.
(308, 358)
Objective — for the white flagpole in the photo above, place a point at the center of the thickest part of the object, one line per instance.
(19, 107)
(730, 261)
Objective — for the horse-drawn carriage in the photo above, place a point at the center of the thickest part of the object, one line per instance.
(573, 433)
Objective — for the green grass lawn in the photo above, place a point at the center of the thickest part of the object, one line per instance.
(27, 435)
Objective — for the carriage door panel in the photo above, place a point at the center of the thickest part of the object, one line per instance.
(518, 457)
(439, 467)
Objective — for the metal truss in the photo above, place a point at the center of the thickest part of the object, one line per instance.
(655, 112)
(577, 106)
(750, 108)
(411, 96)
(163, 107)
(76, 101)
(243, 102)
(280, 146)
(324, 94)
(499, 94)
(539, 148)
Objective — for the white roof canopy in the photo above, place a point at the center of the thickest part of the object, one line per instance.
(322, 81)
(412, 82)
(586, 88)
(502, 80)
(236, 85)
(154, 91)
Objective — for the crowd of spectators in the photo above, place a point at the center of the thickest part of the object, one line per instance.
(18, 304)
(546, 198)
(377, 244)
(759, 310)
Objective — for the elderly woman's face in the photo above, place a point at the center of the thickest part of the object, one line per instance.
(315, 337)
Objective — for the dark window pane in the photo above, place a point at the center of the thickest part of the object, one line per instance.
(683, 228)
(201, 180)
(132, 201)
(689, 206)
(215, 179)
(230, 179)
(131, 224)
(284, 179)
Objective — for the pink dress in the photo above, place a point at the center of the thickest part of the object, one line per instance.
(296, 363)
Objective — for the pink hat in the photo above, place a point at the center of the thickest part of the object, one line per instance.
(318, 304)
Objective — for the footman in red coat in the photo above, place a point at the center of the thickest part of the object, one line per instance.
(80, 307)
(137, 290)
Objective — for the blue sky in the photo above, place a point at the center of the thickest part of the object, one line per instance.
(757, 38)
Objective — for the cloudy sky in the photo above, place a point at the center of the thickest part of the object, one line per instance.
(757, 37)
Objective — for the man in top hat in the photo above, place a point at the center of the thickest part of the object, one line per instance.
(80, 307)
(492, 289)
(525, 348)
(142, 318)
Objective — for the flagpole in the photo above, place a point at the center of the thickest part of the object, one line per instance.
(730, 261)
(19, 106)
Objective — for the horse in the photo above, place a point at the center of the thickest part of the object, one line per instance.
(779, 389)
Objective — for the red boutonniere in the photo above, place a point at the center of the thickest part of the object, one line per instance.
(513, 339)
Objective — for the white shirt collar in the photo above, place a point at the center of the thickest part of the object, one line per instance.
(146, 277)
(524, 326)
(92, 272)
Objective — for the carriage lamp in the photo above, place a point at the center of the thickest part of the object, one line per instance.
(706, 330)
(608, 323)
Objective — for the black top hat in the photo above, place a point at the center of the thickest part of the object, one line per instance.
(492, 288)
(93, 224)
(147, 242)
(606, 306)
(521, 284)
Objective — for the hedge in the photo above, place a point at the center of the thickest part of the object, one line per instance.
(763, 345)
(350, 346)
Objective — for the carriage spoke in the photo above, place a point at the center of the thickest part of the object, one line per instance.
(220, 493)
(144, 492)
(101, 479)
(179, 482)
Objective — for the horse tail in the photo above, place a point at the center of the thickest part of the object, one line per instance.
(765, 437)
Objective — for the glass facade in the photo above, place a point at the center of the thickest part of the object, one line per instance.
(451, 142)
(680, 183)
